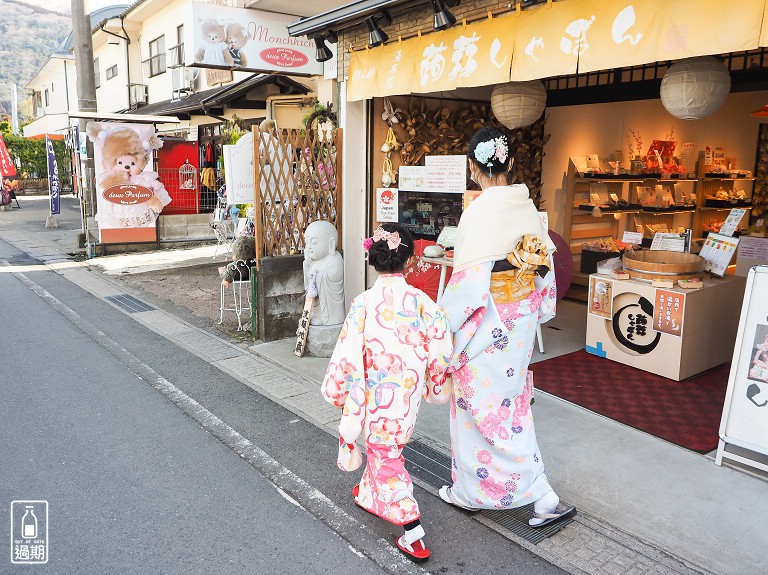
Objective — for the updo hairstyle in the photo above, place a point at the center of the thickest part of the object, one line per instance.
(387, 261)
(486, 137)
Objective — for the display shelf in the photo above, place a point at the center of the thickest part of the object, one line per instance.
(657, 211)
(634, 178)
(708, 186)
(610, 209)
(726, 208)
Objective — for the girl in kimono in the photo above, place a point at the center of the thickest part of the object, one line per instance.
(392, 352)
(502, 287)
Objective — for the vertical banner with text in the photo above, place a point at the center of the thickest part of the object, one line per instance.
(54, 185)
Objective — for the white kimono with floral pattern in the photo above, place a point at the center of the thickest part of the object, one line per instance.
(496, 463)
(393, 351)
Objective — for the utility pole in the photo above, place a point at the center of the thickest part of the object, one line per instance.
(86, 96)
(14, 110)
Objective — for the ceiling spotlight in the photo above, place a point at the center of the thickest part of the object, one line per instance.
(377, 36)
(322, 52)
(443, 18)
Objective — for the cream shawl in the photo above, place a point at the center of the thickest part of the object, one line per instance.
(494, 223)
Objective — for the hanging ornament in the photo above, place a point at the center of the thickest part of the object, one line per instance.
(391, 140)
(389, 115)
(387, 172)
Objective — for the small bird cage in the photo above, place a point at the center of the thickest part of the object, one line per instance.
(187, 176)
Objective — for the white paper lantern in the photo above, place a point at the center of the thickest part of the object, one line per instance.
(518, 104)
(695, 87)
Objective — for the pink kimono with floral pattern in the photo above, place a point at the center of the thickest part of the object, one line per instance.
(393, 351)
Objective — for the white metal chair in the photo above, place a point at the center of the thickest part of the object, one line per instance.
(236, 288)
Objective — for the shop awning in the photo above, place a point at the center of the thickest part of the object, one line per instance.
(216, 97)
(557, 39)
(340, 17)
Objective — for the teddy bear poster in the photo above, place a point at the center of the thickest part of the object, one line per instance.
(128, 192)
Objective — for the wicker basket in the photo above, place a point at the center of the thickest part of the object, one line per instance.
(653, 264)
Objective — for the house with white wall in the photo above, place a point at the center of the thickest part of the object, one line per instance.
(54, 86)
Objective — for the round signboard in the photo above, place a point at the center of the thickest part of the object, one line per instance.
(283, 57)
(127, 194)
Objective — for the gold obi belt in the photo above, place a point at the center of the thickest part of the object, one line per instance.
(517, 282)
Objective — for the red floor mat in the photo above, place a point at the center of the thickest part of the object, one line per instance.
(683, 412)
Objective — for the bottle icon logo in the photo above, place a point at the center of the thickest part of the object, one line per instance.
(29, 523)
(29, 532)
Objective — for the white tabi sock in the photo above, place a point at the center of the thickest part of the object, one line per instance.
(414, 534)
(548, 503)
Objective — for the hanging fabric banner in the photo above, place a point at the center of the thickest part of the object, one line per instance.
(694, 28)
(399, 65)
(549, 40)
(54, 185)
(557, 39)
(483, 53)
(621, 32)
(478, 54)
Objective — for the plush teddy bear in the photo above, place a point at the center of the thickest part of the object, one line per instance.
(124, 158)
(236, 39)
(214, 51)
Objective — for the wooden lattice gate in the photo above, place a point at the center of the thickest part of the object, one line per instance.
(297, 181)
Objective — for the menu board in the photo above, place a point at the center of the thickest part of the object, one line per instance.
(668, 242)
(732, 221)
(718, 251)
(446, 174)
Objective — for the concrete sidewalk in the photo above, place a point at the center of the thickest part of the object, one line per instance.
(645, 505)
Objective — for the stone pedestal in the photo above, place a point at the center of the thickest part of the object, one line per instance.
(321, 339)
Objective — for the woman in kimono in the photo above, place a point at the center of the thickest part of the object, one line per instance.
(502, 287)
(392, 352)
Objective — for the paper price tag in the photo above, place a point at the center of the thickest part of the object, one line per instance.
(634, 238)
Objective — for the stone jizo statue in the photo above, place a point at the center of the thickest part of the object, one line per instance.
(324, 268)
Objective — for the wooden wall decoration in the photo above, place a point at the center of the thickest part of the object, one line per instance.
(432, 126)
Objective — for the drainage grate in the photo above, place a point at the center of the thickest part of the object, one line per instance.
(129, 303)
(434, 468)
(23, 260)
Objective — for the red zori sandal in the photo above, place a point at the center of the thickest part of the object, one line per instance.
(416, 551)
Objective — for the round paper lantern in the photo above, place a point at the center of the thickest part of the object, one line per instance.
(695, 87)
(518, 104)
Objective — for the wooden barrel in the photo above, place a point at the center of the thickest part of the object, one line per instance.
(657, 264)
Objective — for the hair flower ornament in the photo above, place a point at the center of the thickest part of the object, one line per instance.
(392, 239)
(496, 149)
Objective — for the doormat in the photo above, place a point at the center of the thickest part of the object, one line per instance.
(686, 412)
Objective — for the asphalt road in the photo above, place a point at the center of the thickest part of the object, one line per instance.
(136, 485)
